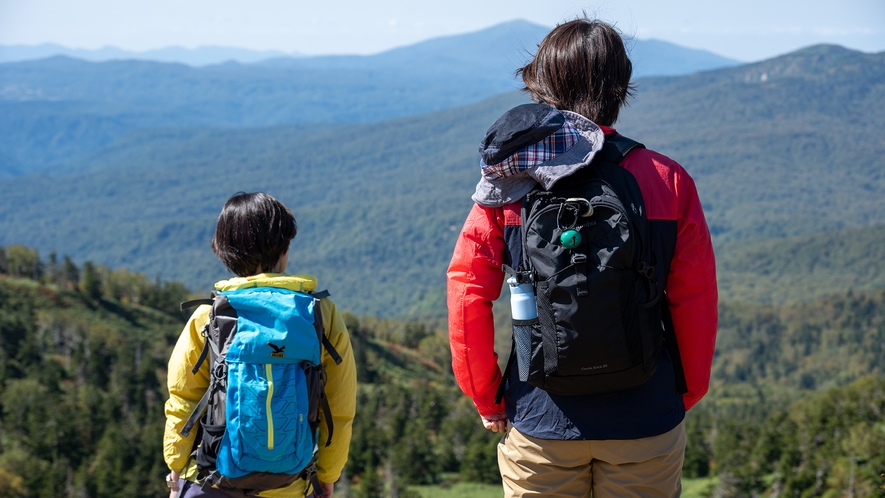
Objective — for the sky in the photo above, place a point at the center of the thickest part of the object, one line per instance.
(748, 30)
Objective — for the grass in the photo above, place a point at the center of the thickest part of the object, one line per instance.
(691, 488)
(698, 488)
(460, 490)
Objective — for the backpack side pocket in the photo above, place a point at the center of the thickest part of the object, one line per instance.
(522, 343)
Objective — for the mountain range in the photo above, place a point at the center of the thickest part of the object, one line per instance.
(781, 149)
(651, 56)
(199, 56)
(58, 109)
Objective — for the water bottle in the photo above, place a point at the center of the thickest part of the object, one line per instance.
(522, 300)
(522, 309)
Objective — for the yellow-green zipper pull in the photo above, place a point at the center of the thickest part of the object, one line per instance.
(269, 369)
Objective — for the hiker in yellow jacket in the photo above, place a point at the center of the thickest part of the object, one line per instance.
(252, 240)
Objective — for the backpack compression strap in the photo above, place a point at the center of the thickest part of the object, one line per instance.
(196, 302)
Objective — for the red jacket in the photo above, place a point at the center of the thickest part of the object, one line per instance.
(475, 280)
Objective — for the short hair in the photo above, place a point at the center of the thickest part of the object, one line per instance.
(252, 233)
(581, 66)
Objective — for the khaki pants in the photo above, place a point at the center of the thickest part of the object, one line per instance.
(641, 468)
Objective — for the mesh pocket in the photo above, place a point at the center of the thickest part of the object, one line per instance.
(522, 338)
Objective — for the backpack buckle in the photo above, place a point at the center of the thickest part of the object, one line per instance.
(220, 371)
(522, 276)
(646, 271)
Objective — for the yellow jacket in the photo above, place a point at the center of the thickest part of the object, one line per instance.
(186, 389)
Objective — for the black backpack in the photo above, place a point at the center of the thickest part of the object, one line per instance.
(585, 248)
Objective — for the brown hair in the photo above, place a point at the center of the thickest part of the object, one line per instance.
(252, 233)
(581, 66)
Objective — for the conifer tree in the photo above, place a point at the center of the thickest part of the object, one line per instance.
(91, 281)
(70, 274)
(53, 271)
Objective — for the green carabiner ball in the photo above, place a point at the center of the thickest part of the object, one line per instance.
(570, 239)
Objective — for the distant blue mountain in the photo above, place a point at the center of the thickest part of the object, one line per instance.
(506, 45)
(200, 56)
(660, 58)
(56, 109)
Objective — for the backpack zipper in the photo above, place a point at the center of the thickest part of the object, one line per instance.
(269, 369)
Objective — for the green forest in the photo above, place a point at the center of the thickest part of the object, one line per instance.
(83, 355)
(796, 406)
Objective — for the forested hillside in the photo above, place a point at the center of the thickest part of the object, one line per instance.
(375, 223)
(795, 409)
(83, 387)
(379, 205)
(783, 147)
(797, 402)
(802, 267)
(83, 355)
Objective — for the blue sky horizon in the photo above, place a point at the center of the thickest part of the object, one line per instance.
(750, 31)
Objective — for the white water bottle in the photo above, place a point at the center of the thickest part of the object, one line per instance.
(522, 300)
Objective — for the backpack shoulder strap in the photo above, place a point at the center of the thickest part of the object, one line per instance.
(321, 294)
(673, 346)
(616, 148)
(208, 346)
(322, 400)
(318, 325)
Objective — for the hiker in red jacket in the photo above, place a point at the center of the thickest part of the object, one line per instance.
(629, 442)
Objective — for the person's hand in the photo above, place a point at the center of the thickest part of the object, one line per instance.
(326, 489)
(175, 477)
(496, 422)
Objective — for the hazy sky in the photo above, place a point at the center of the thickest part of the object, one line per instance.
(747, 30)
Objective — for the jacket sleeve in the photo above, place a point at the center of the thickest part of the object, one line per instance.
(185, 389)
(341, 393)
(474, 282)
(692, 290)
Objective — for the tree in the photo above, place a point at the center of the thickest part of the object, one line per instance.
(697, 452)
(53, 270)
(413, 334)
(91, 282)
(23, 262)
(480, 462)
(70, 274)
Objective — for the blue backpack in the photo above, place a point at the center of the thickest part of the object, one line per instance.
(260, 414)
